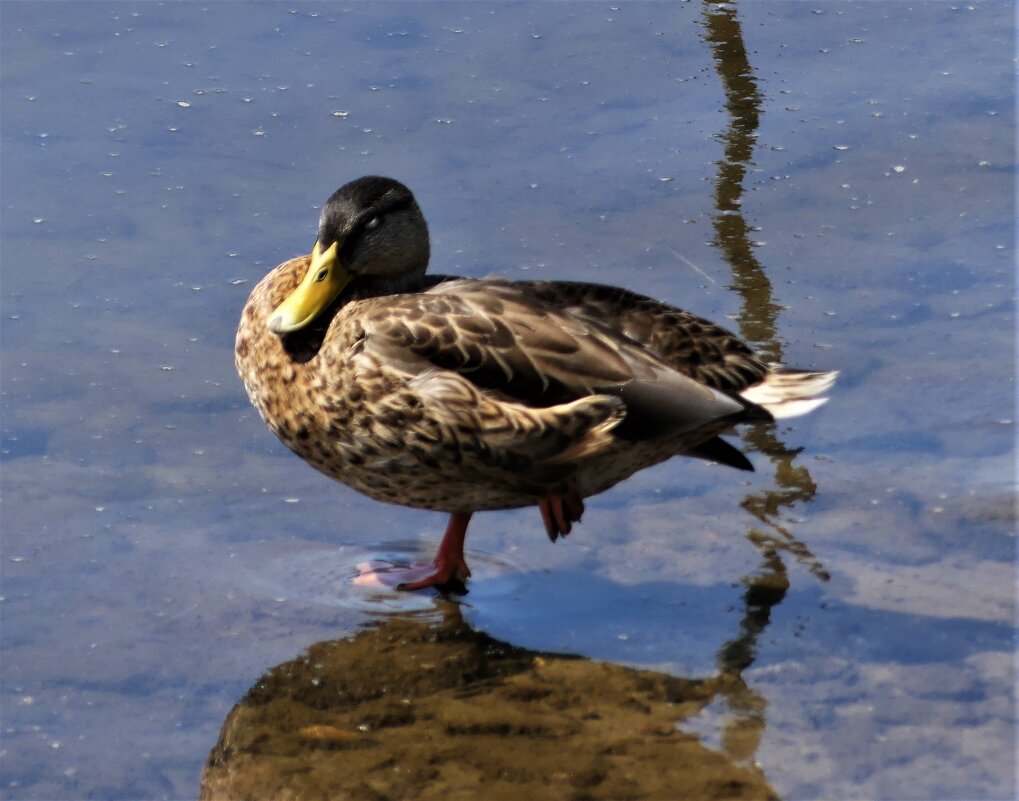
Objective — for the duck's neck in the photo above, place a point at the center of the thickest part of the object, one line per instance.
(374, 286)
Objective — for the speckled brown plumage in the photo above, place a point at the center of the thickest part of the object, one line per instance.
(464, 395)
(376, 413)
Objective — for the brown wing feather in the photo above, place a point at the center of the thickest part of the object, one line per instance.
(500, 341)
(690, 344)
(506, 340)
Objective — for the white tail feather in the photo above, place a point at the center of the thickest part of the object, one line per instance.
(790, 393)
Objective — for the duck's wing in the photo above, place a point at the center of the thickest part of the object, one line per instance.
(506, 341)
(692, 345)
(689, 344)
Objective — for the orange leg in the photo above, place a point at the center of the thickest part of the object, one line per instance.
(449, 559)
(560, 512)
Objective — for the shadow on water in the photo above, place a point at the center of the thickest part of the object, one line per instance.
(424, 706)
(758, 325)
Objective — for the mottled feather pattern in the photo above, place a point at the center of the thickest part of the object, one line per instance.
(401, 430)
(503, 338)
(472, 395)
(499, 342)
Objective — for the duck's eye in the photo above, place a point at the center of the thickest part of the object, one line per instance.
(322, 275)
(372, 224)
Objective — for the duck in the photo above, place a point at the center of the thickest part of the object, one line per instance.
(464, 395)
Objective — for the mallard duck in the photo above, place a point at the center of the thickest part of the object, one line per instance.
(464, 395)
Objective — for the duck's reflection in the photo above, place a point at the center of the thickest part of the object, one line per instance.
(757, 320)
(758, 316)
(423, 706)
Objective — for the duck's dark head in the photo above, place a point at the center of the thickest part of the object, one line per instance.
(370, 230)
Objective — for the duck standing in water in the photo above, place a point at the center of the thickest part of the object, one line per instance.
(463, 395)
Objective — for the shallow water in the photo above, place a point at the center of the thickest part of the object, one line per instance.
(834, 179)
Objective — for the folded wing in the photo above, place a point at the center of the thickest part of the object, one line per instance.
(525, 350)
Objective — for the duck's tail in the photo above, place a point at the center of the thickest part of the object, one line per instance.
(789, 393)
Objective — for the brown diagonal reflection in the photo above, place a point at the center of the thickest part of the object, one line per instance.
(758, 324)
(758, 313)
(425, 707)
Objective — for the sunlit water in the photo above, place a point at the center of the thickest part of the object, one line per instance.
(834, 179)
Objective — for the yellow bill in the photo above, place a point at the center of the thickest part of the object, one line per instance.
(324, 280)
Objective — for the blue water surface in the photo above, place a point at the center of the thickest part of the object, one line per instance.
(844, 199)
